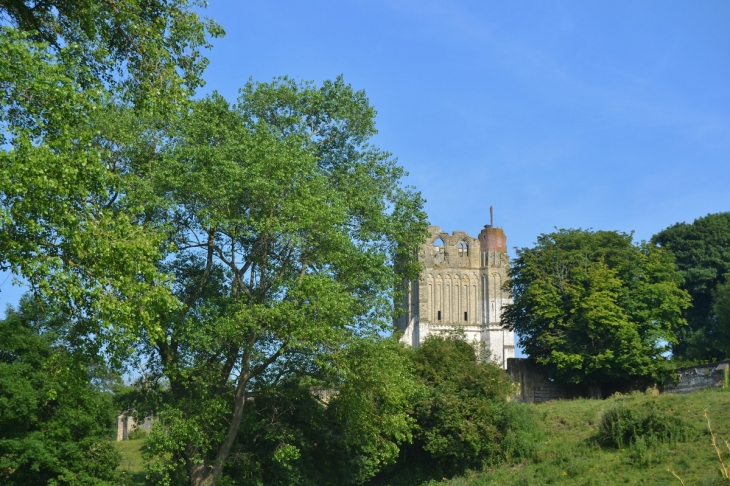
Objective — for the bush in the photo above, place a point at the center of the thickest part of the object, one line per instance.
(621, 427)
(54, 425)
(137, 434)
(464, 418)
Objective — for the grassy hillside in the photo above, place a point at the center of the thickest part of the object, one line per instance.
(569, 453)
(132, 462)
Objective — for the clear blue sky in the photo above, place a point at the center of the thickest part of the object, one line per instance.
(604, 115)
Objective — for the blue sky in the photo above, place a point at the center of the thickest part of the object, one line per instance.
(604, 115)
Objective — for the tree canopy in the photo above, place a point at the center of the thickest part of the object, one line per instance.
(721, 320)
(343, 431)
(55, 425)
(702, 252)
(285, 231)
(593, 307)
(464, 419)
(67, 226)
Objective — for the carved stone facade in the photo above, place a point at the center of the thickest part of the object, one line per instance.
(461, 288)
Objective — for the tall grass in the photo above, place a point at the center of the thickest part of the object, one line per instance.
(629, 439)
(621, 426)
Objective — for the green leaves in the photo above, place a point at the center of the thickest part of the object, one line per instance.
(463, 418)
(592, 307)
(54, 426)
(151, 49)
(721, 324)
(283, 230)
(702, 253)
(71, 223)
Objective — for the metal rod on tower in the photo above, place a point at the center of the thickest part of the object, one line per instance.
(491, 216)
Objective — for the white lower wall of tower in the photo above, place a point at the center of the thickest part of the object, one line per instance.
(459, 292)
(412, 333)
(499, 341)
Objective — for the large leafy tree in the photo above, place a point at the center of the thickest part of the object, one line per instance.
(721, 320)
(702, 252)
(55, 425)
(593, 307)
(66, 226)
(286, 230)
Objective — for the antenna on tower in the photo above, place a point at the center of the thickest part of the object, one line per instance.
(491, 216)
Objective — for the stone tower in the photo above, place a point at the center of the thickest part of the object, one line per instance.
(461, 288)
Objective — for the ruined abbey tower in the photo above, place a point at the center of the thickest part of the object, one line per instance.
(461, 288)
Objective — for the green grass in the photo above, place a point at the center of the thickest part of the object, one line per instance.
(132, 464)
(569, 454)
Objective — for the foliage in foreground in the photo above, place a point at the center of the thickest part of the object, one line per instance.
(285, 230)
(54, 425)
(69, 223)
(464, 419)
(383, 413)
(341, 432)
(595, 308)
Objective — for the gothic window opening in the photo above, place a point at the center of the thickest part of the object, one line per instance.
(439, 253)
(438, 246)
(465, 318)
(463, 249)
(439, 315)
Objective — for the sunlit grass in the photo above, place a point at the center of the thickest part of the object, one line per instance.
(568, 452)
(132, 464)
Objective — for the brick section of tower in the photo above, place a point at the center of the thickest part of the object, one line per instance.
(493, 239)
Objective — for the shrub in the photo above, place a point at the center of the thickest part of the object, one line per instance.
(621, 427)
(137, 434)
(464, 419)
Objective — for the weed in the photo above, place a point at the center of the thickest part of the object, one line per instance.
(724, 468)
(137, 434)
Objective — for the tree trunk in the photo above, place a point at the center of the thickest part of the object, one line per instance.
(206, 474)
(201, 474)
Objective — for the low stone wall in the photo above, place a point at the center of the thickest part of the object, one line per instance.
(699, 377)
(533, 386)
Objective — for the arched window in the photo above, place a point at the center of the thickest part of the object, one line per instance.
(438, 246)
(463, 249)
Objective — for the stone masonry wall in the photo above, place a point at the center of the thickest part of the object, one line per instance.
(534, 387)
(126, 424)
(699, 377)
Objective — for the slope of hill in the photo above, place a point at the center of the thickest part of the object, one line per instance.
(569, 451)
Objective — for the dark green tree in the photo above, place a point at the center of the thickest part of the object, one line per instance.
(702, 253)
(342, 431)
(55, 425)
(595, 308)
(721, 320)
(285, 233)
(463, 417)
